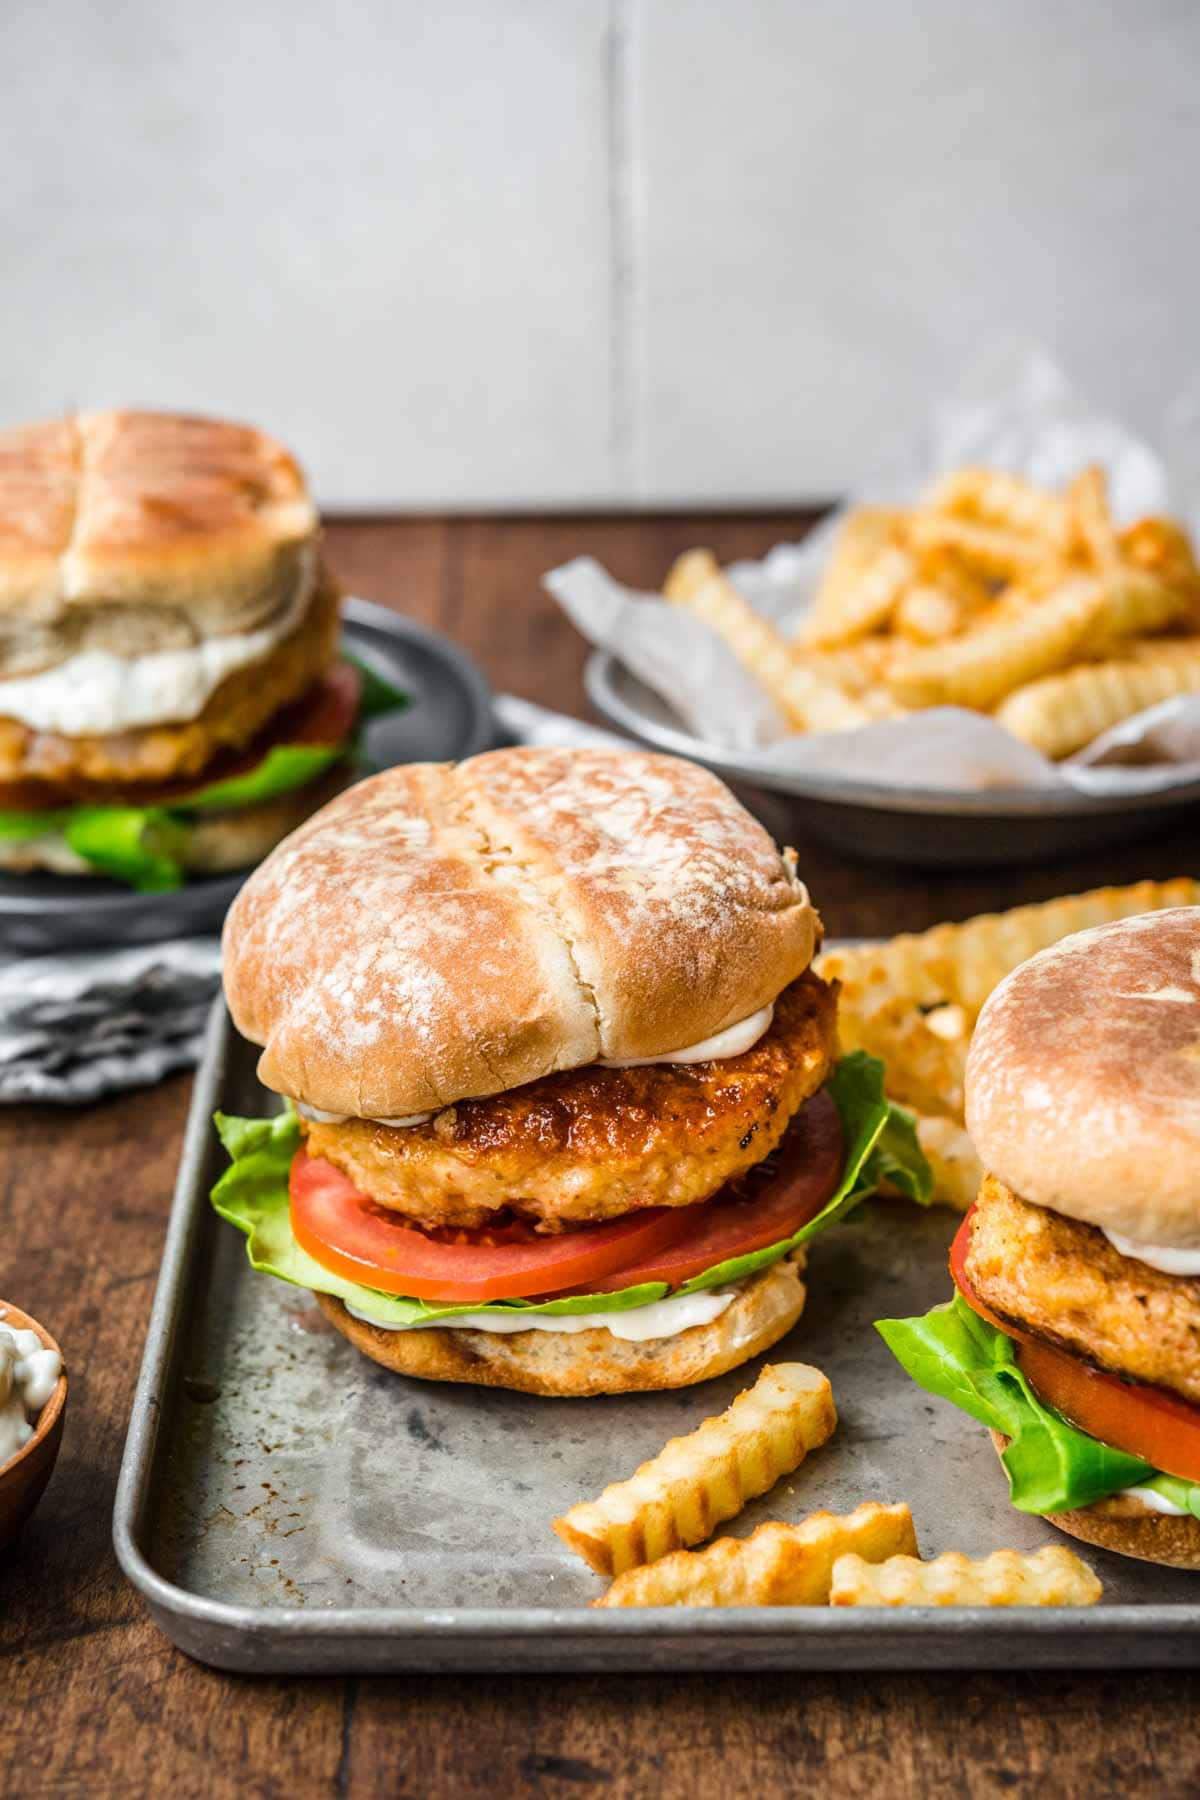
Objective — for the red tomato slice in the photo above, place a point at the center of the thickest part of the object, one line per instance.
(1131, 1416)
(346, 1233)
(755, 1212)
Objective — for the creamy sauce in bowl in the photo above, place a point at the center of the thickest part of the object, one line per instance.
(29, 1374)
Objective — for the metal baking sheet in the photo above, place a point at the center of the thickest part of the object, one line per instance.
(890, 822)
(449, 716)
(286, 1505)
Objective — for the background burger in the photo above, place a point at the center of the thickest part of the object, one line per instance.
(171, 697)
(566, 1103)
(1075, 1328)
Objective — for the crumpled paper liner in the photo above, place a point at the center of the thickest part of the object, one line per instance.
(1016, 412)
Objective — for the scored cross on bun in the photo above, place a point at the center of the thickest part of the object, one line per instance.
(138, 531)
(447, 931)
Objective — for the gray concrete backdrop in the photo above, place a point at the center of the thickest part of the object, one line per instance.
(547, 252)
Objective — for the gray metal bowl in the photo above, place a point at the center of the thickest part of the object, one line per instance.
(450, 717)
(934, 827)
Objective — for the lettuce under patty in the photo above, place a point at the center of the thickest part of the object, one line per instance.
(880, 1141)
(1051, 1466)
(141, 845)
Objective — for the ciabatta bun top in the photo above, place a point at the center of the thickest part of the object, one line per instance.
(444, 931)
(1083, 1079)
(136, 531)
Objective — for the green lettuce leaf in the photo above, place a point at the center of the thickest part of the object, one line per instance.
(253, 1195)
(379, 695)
(1051, 1466)
(284, 768)
(140, 845)
(1184, 1494)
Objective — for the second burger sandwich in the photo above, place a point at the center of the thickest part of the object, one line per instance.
(1074, 1332)
(565, 1098)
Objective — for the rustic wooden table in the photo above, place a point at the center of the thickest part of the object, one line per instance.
(95, 1702)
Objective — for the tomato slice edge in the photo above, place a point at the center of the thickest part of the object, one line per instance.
(346, 1235)
(1127, 1415)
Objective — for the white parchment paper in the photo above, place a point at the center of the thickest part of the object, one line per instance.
(1017, 411)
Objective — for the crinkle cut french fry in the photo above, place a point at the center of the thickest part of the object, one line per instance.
(926, 614)
(957, 1170)
(808, 702)
(988, 662)
(997, 498)
(925, 1066)
(1061, 713)
(1163, 548)
(963, 963)
(1054, 1576)
(681, 1495)
(689, 573)
(990, 551)
(777, 1565)
(1091, 521)
(1135, 602)
(863, 575)
(850, 605)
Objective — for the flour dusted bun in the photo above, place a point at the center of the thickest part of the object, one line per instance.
(580, 1364)
(1127, 1525)
(444, 931)
(139, 531)
(1083, 1079)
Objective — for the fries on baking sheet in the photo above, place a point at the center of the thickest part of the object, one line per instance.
(681, 1495)
(1054, 1576)
(989, 593)
(777, 1565)
(914, 1001)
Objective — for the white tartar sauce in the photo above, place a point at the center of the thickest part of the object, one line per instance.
(28, 1376)
(327, 1118)
(1154, 1500)
(637, 1325)
(95, 692)
(1157, 1256)
(735, 1040)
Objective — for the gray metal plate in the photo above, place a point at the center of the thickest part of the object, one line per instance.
(933, 827)
(450, 717)
(284, 1504)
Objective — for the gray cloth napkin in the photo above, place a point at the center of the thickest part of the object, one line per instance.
(86, 1023)
(93, 1022)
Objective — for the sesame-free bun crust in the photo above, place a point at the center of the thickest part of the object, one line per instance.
(139, 531)
(1083, 1079)
(579, 1364)
(447, 931)
(1125, 1524)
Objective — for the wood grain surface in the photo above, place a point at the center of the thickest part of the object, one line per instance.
(94, 1701)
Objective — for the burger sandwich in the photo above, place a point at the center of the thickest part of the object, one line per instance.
(171, 695)
(1074, 1331)
(564, 1102)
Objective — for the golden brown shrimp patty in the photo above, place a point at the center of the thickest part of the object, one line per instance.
(235, 713)
(1063, 1281)
(596, 1143)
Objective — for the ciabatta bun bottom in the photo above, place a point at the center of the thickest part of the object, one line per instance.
(1128, 1526)
(578, 1364)
(214, 844)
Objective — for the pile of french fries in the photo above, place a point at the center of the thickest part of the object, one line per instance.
(989, 593)
(913, 1002)
(642, 1531)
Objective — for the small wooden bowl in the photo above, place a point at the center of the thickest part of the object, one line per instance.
(24, 1476)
